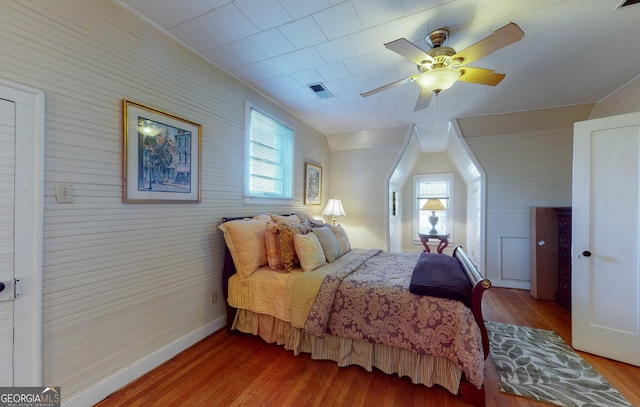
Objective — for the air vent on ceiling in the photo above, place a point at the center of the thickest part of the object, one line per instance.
(320, 91)
(629, 3)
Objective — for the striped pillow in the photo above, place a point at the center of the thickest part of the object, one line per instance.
(309, 251)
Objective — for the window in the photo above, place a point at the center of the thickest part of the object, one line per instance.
(269, 157)
(439, 186)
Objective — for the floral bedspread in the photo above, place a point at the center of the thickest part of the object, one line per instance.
(369, 300)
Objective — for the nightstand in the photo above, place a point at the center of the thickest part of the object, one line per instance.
(444, 241)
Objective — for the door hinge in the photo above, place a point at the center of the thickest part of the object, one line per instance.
(10, 289)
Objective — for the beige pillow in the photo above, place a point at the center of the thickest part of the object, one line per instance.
(272, 243)
(285, 219)
(263, 218)
(330, 244)
(341, 234)
(245, 240)
(304, 217)
(309, 251)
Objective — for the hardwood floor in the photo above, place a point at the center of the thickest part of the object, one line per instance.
(242, 370)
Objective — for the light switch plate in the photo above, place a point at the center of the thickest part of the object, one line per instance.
(64, 193)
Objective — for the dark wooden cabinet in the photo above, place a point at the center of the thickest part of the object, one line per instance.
(563, 295)
(551, 254)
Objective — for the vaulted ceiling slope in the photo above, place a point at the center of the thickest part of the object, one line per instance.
(573, 52)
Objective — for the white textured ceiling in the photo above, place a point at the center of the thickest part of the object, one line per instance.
(573, 52)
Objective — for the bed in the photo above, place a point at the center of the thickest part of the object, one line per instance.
(298, 283)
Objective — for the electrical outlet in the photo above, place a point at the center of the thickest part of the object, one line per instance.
(214, 297)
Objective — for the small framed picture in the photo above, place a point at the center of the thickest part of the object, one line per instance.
(162, 156)
(312, 184)
(394, 203)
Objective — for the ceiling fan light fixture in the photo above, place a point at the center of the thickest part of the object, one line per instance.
(437, 80)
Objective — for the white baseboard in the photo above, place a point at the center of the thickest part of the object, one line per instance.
(100, 390)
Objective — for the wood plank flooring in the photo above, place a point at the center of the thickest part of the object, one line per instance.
(242, 370)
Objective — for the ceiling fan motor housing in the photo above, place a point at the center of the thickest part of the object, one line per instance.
(441, 59)
(441, 56)
(436, 38)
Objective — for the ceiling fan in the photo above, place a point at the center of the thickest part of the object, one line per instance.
(441, 66)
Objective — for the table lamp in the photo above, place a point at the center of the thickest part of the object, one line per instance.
(433, 205)
(334, 208)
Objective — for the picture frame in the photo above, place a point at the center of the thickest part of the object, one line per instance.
(394, 203)
(312, 184)
(162, 156)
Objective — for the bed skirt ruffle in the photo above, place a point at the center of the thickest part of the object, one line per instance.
(421, 369)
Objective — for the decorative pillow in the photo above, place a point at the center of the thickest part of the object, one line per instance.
(330, 244)
(315, 223)
(341, 234)
(263, 218)
(272, 243)
(286, 232)
(245, 240)
(285, 219)
(309, 251)
(304, 217)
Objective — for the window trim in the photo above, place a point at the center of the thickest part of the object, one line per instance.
(288, 184)
(450, 205)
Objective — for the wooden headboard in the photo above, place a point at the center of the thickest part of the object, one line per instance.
(228, 270)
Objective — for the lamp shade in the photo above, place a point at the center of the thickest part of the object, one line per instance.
(334, 208)
(434, 204)
(439, 79)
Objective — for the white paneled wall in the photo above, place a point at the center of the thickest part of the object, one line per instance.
(523, 170)
(474, 178)
(625, 100)
(402, 171)
(474, 247)
(526, 158)
(410, 155)
(359, 178)
(122, 281)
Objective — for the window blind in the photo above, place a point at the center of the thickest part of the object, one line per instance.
(270, 156)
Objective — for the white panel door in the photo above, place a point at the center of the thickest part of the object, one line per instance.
(606, 237)
(7, 198)
(21, 231)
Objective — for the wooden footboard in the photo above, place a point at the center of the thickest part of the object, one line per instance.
(480, 285)
(469, 392)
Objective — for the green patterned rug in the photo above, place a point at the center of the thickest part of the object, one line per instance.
(539, 365)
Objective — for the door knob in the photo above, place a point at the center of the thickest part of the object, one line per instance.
(586, 253)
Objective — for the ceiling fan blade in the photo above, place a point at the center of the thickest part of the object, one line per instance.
(408, 50)
(423, 100)
(480, 75)
(389, 86)
(500, 38)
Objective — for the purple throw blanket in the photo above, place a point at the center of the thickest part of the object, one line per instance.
(441, 276)
(370, 300)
